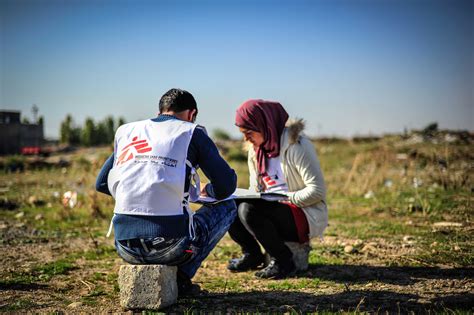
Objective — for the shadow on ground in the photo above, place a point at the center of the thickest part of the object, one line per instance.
(22, 286)
(394, 275)
(379, 298)
(289, 301)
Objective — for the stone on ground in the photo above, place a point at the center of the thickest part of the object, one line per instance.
(300, 254)
(149, 287)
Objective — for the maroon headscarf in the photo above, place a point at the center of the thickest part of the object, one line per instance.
(268, 118)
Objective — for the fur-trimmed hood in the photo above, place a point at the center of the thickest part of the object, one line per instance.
(295, 127)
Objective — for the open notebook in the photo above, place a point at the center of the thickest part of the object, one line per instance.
(241, 193)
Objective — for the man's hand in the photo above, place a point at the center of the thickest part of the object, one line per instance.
(203, 190)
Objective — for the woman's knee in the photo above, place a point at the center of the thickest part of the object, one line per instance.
(247, 213)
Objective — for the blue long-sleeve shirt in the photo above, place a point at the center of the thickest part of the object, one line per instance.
(202, 152)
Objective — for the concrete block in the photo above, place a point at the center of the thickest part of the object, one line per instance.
(300, 254)
(149, 287)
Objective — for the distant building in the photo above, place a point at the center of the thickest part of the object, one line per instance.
(16, 136)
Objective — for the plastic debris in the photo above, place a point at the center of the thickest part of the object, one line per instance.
(447, 224)
(402, 156)
(70, 199)
(417, 182)
(369, 194)
(19, 215)
(450, 138)
(388, 183)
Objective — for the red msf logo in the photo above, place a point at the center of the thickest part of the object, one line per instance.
(268, 180)
(141, 146)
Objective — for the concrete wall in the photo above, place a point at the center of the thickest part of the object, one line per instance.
(10, 139)
(9, 117)
(31, 135)
(15, 136)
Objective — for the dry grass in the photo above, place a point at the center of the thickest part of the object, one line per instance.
(406, 210)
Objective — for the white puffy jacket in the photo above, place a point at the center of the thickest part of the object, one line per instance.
(300, 165)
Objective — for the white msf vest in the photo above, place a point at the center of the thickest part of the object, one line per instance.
(149, 170)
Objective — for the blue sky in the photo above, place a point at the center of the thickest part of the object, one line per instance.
(347, 67)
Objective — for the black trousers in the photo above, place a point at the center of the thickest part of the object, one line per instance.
(268, 222)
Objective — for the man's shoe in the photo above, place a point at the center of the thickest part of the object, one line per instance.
(246, 262)
(277, 270)
(185, 286)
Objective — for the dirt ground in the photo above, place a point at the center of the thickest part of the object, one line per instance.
(363, 283)
(399, 240)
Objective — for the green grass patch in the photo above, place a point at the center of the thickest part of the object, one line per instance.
(326, 256)
(101, 253)
(293, 284)
(39, 273)
(15, 278)
(91, 299)
(59, 267)
(98, 276)
(223, 285)
(225, 252)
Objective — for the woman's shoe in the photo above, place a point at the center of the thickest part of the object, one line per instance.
(277, 270)
(246, 262)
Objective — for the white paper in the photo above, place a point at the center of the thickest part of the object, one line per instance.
(241, 193)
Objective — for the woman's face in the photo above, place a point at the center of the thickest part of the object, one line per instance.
(254, 137)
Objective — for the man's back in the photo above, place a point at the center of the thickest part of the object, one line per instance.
(155, 160)
(150, 167)
(202, 153)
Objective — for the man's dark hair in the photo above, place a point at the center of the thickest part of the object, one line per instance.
(177, 100)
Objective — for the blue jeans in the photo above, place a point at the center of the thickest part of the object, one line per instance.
(211, 222)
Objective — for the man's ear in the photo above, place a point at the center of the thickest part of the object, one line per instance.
(192, 113)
